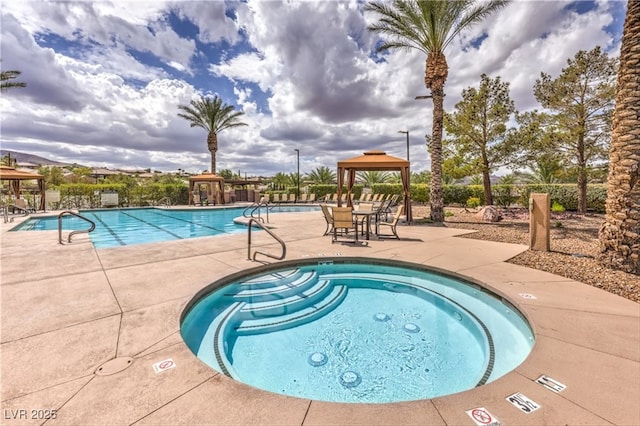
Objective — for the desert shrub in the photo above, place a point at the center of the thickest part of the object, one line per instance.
(473, 202)
(557, 207)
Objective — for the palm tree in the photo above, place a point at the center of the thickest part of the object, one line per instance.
(372, 177)
(620, 233)
(322, 175)
(430, 26)
(5, 84)
(213, 116)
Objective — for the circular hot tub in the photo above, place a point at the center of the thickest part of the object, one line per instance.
(355, 330)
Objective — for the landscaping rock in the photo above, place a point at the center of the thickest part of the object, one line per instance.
(489, 214)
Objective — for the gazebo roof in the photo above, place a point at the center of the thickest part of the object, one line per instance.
(206, 177)
(10, 173)
(374, 160)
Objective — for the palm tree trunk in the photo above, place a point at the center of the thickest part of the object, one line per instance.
(436, 194)
(620, 234)
(212, 144)
(436, 71)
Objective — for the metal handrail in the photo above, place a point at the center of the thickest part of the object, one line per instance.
(93, 225)
(257, 206)
(278, 239)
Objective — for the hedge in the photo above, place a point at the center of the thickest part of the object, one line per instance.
(503, 195)
(82, 195)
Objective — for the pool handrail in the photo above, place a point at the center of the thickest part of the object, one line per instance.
(257, 206)
(166, 201)
(66, 212)
(268, 231)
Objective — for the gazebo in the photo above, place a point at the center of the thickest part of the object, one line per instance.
(16, 176)
(214, 182)
(375, 160)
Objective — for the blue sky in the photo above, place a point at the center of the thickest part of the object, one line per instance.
(105, 78)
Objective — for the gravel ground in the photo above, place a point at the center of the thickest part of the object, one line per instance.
(574, 245)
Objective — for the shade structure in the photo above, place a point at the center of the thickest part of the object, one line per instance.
(375, 160)
(16, 176)
(212, 180)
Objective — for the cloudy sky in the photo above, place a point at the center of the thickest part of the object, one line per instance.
(104, 78)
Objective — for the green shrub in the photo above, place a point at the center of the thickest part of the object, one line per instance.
(567, 195)
(473, 202)
(557, 207)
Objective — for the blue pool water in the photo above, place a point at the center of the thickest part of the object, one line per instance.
(120, 227)
(347, 331)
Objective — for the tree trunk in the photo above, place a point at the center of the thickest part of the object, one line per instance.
(486, 182)
(582, 173)
(212, 144)
(436, 71)
(620, 234)
(436, 194)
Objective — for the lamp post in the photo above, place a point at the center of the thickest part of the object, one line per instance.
(298, 174)
(406, 132)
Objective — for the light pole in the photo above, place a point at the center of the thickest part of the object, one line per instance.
(298, 174)
(406, 132)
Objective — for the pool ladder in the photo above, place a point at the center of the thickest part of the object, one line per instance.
(82, 231)
(268, 231)
(257, 207)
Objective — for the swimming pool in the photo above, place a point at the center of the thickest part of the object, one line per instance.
(355, 330)
(120, 227)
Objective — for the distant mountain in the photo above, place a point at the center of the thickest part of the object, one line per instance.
(23, 157)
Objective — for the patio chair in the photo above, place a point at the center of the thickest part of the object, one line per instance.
(292, 198)
(328, 217)
(276, 198)
(303, 198)
(343, 220)
(312, 197)
(392, 224)
(367, 198)
(334, 198)
(362, 197)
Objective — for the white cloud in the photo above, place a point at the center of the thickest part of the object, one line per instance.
(100, 102)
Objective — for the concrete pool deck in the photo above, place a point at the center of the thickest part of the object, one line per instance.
(67, 310)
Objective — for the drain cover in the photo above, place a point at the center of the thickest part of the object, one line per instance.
(114, 366)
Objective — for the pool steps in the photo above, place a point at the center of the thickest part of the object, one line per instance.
(292, 319)
(249, 293)
(286, 305)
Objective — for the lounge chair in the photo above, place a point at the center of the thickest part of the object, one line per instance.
(266, 199)
(334, 199)
(367, 198)
(303, 198)
(362, 197)
(392, 224)
(292, 198)
(343, 220)
(312, 197)
(328, 217)
(276, 198)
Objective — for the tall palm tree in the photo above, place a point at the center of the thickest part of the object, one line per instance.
(5, 84)
(620, 233)
(430, 26)
(213, 116)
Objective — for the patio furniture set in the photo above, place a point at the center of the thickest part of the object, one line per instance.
(361, 219)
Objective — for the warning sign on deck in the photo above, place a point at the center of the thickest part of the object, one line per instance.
(551, 384)
(164, 365)
(482, 417)
(527, 296)
(523, 403)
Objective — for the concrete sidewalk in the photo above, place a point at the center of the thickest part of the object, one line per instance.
(67, 310)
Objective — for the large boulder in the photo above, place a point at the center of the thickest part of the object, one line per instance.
(489, 214)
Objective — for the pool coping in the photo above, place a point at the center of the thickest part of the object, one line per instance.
(68, 309)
